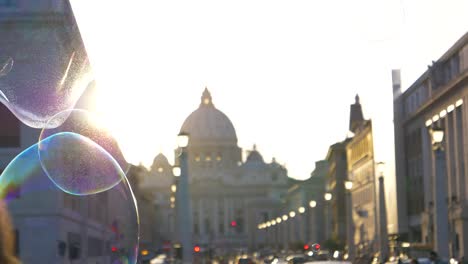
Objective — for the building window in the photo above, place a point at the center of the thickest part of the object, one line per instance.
(10, 131)
(74, 246)
(274, 176)
(239, 225)
(7, 3)
(207, 225)
(95, 247)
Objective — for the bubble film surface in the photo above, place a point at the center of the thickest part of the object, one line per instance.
(80, 156)
(96, 228)
(43, 67)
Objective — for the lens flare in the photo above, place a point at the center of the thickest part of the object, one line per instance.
(80, 156)
(44, 68)
(113, 220)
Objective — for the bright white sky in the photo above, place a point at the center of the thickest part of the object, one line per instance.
(284, 72)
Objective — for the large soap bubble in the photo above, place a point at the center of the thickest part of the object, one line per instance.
(44, 67)
(96, 228)
(80, 156)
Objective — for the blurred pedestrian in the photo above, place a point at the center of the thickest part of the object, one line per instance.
(7, 240)
(414, 261)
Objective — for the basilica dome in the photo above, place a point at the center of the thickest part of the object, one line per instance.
(208, 125)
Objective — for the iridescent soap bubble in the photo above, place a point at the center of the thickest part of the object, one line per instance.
(80, 156)
(86, 124)
(47, 218)
(44, 67)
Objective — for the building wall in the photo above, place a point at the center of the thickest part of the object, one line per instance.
(437, 98)
(364, 194)
(337, 175)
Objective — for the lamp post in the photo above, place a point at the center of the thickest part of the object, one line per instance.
(285, 232)
(184, 210)
(383, 243)
(292, 227)
(327, 196)
(302, 226)
(440, 192)
(278, 233)
(313, 232)
(349, 221)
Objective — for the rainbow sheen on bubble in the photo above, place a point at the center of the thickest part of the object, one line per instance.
(44, 67)
(77, 165)
(107, 222)
(80, 156)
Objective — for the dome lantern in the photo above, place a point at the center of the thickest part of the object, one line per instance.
(206, 99)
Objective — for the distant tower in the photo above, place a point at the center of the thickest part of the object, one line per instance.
(356, 117)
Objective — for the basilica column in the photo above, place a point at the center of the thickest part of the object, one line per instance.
(226, 216)
(201, 216)
(215, 217)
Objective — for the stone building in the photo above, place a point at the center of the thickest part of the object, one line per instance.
(229, 195)
(335, 184)
(361, 171)
(305, 198)
(436, 99)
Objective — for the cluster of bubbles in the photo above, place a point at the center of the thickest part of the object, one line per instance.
(76, 167)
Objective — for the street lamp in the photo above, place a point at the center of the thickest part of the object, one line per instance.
(440, 192)
(184, 207)
(312, 222)
(182, 140)
(380, 168)
(348, 185)
(292, 214)
(285, 232)
(349, 221)
(437, 136)
(312, 204)
(301, 210)
(327, 196)
(176, 171)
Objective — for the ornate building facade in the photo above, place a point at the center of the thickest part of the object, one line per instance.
(229, 195)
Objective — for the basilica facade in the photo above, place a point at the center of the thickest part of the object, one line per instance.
(229, 195)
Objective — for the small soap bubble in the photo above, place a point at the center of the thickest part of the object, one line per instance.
(113, 220)
(80, 156)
